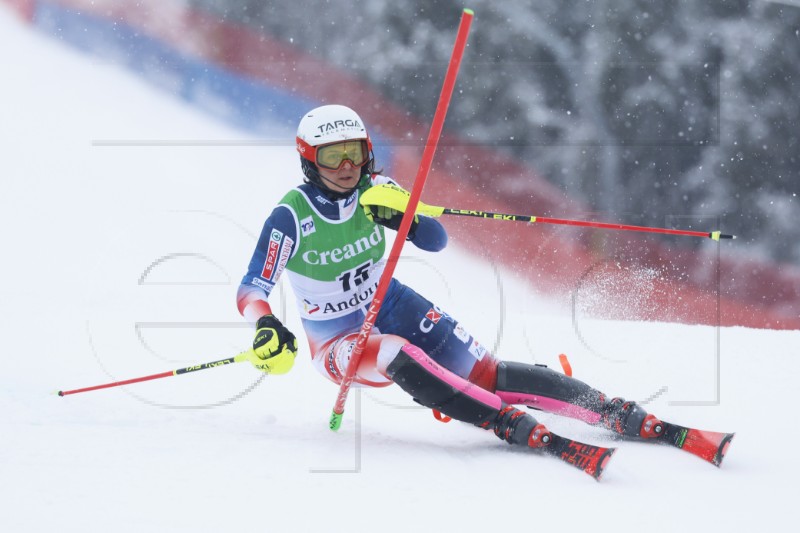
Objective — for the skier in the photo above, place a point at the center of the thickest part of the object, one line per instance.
(332, 250)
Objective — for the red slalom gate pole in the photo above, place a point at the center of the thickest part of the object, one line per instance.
(213, 364)
(416, 192)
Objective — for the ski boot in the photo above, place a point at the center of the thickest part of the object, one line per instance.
(629, 419)
(517, 427)
(520, 428)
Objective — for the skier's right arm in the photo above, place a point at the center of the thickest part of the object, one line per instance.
(274, 346)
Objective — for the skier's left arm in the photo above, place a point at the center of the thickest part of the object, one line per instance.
(426, 233)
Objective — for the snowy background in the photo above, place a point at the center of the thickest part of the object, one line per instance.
(634, 107)
(123, 261)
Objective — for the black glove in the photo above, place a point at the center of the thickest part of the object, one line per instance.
(390, 218)
(274, 347)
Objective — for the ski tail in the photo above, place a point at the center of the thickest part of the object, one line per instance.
(710, 446)
(586, 457)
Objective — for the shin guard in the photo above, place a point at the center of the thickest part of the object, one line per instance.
(435, 387)
(547, 390)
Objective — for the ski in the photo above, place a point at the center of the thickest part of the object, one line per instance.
(707, 445)
(591, 459)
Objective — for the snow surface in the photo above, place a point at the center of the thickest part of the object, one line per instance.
(123, 261)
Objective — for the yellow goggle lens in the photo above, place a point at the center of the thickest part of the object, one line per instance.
(332, 156)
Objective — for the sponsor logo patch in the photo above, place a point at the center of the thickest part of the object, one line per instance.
(332, 370)
(351, 199)
(307, 226)
(337, 255)
(477, 350)
(461, 334)
(358, 299)
(309, 307)
(258, 282)
(433, 316)
(286, 252)
(272, 254)
(337, 125)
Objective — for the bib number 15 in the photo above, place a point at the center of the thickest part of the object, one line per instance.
(355, 277)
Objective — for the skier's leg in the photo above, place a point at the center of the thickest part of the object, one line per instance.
(433, 386)
(332, 357)
(425, 325)
(541, 388)
(390, 358)
(443, 340)
(332, 342)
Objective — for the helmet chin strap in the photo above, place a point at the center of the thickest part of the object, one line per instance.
(339, 194)
(312, 173)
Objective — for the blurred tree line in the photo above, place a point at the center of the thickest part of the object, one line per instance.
(643, 109)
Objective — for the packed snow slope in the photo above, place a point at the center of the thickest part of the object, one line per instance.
(121, 259)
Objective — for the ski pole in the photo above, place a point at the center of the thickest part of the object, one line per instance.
(398, 203)
(405, 224)
(715, 235)
(213, 364)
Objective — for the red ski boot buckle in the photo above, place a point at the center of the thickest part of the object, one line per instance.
(440, 417)
(539, 437)
(565, 364)
(651, 427)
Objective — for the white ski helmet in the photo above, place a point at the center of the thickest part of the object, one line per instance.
(329, 124)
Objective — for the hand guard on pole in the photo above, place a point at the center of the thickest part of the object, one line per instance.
(274, 346)
(385, 205)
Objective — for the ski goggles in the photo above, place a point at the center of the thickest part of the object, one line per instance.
(333, 156)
